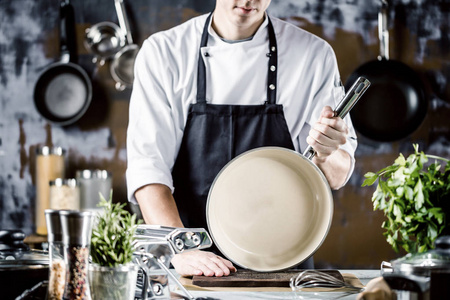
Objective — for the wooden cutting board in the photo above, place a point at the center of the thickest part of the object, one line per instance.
(248, 278)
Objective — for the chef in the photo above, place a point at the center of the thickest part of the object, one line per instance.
(214, 87)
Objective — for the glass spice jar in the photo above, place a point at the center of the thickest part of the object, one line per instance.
(77, 229)
(64, 194)
(92, 184)
(50, 164)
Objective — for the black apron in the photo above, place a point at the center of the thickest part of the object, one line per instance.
(215, 134)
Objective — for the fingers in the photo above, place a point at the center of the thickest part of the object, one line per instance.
(202, 263)
(327, 112)
(213, 265)
(328, 133)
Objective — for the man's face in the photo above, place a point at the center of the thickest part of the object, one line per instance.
(242, 12)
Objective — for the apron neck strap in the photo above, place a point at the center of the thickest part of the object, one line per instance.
(272, 65)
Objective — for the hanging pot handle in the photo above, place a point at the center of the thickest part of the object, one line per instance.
(383, 32)
(343, 108)
(67, 45)
(123, 20)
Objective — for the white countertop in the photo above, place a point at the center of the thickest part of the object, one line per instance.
(363, 275)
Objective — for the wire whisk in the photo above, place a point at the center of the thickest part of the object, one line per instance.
(318, 279)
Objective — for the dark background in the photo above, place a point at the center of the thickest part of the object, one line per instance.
(29, 41)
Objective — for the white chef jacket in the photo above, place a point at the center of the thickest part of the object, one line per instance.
(236, 73)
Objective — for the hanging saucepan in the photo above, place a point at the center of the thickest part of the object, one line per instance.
(122, 66)
(63, 91)
(104, 40)
(270, 208)
(396, 104)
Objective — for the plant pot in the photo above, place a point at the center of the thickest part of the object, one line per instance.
(113, 282)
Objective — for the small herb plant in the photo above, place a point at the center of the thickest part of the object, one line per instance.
(113, 235)
(414, 197)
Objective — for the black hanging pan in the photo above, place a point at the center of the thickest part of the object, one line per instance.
(396, 104)
(63, 91)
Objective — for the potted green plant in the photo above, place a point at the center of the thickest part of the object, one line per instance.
(112, 275)
(414, 194)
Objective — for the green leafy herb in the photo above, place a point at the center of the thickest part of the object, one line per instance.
(414, 196)
(113, 235)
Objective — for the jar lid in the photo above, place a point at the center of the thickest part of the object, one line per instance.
(93, 173)
(71, 182)
(46, 150)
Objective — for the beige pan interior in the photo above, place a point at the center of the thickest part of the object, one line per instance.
(269, 209)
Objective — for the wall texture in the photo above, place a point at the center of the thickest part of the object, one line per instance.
(29, 41)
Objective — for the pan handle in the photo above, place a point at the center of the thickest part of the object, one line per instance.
(123, 20)
(383, 32)
(67, 45)
(343, 108)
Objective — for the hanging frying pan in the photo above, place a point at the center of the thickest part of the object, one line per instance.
(63, 91)
(122, 66)
(396, 104)
(270, 208)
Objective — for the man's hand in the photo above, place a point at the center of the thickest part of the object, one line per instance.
(205, 263)
(325, 137)
(327, 134)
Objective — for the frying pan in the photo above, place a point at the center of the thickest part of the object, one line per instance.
(122, 66)
(63, 91)
(270, 208)
(104, 39)
(396, 104)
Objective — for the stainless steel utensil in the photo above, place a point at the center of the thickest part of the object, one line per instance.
(318, 279)
(122, 66)
(104, 39)
(154, 248)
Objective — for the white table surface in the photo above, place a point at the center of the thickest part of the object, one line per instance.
(363, 275)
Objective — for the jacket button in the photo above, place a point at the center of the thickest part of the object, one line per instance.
(272, 87)
(272, 68)
(273, 49)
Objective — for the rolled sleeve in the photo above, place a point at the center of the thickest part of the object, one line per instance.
(152, 137)
(330, 91)
(143, 172)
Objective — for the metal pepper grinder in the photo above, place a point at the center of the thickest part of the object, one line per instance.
(57, 273)
(77, 229)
